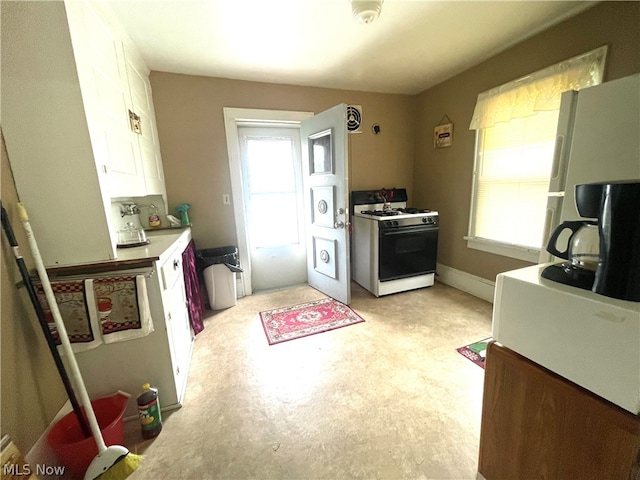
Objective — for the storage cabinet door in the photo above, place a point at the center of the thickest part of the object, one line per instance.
(177, 317)
(536, 424)
(105, 91)
(142, 102)
(180, 335)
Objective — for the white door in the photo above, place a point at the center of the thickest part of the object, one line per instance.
(272, 184)
(326, 200)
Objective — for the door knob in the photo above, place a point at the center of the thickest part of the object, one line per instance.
(339, 224)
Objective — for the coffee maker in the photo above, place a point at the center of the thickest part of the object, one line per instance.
(603, 250)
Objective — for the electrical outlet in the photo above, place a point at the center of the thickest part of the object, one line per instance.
(226, 200)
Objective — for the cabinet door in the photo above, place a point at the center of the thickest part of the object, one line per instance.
(180, 333)
(177, 317)
(536, 424)
(142, 102)
(105, 91)
(45, 126)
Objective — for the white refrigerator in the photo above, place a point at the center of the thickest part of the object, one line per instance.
(598, 140)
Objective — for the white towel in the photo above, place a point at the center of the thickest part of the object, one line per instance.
(123, 299)
(93, 321)
(77, 315)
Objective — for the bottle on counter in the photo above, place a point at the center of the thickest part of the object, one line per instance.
(149, 412)
(154, 217)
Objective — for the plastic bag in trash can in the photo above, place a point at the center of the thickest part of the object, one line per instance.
(221, 255)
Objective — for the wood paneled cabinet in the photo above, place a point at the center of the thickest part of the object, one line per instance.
(536, 424)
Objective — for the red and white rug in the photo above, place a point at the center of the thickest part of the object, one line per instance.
(289, 323)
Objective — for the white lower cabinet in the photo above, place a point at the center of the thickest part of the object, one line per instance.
(179, 329)
(161, 358)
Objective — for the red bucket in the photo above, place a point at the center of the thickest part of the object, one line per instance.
(74, 450)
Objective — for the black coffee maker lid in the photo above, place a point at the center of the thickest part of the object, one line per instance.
(589, 196)
(589, 199)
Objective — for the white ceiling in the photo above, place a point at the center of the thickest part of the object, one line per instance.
(414, 45)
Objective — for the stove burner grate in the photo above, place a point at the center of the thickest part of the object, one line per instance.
(414, 210)
(381, 213)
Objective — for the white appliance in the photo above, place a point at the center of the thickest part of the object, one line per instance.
(394, 247)
(598, 140)
(590, 339)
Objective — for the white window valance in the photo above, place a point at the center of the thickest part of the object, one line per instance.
(538, 91)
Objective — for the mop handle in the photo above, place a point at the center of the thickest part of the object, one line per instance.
(6, 226)
(64, 338)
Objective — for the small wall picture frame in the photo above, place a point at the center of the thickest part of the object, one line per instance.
(443, 134)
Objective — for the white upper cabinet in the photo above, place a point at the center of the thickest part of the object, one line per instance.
(56, 165)
(142, 106)
(115, 87)
(71, 82)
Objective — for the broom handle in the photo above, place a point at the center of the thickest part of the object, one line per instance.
(64, 338)
(24, 273)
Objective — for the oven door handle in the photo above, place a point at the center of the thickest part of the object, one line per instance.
(410, 229)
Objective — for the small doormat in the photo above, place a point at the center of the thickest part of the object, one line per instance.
(476, 352)
(289, 323)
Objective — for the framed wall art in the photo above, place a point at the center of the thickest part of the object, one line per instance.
(443, 133)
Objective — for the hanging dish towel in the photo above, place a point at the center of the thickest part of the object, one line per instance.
(121, 307)
(82, 328)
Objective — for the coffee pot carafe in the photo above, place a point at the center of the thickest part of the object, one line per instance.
(583, 245)
(603, 255)
(582, 253)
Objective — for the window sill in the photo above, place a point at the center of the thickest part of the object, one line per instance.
(528, 254)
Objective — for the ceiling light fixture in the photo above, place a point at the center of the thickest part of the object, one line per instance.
(366, 11)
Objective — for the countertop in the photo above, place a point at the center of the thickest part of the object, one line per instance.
(161, 241)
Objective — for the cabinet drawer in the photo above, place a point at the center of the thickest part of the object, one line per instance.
(172, 269)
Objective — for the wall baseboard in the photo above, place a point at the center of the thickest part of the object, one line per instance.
(472, 284)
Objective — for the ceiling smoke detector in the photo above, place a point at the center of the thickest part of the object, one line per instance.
(366, 11)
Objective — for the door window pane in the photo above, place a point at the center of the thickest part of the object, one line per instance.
(272, 203)
(320, 157)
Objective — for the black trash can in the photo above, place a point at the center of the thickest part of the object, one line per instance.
(218, 267)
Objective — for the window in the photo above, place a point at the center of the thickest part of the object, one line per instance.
(515, 139)
(272, 182)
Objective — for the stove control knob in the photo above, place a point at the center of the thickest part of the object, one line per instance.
(395, 223)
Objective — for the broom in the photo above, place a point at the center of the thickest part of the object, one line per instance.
(111, 463)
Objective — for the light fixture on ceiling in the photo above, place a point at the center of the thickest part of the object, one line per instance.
(366, 11)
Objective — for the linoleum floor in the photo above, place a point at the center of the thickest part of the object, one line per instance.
(389, 398)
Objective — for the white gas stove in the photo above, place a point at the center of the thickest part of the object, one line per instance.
(394, 246)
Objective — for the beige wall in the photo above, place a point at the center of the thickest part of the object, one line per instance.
(192, 136)
(31, 390)
(194, 150)
(442, 178)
